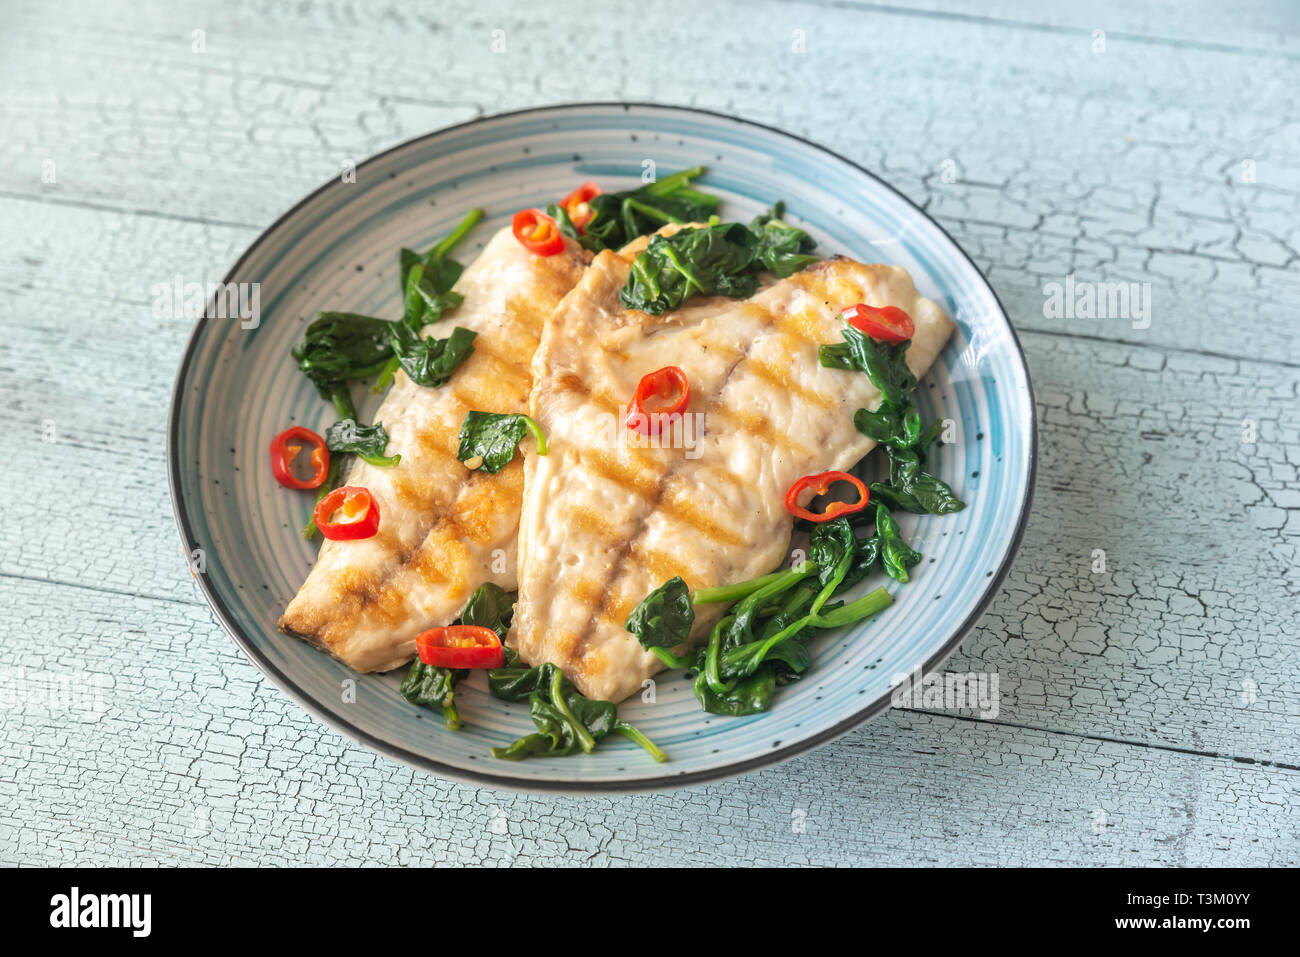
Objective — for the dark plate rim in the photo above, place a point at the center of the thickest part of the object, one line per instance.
(659, 782)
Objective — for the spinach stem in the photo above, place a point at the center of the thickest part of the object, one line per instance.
(671, 660)
(557, 698)
(729, 593)
(450, 715)
(670, 183)
(531, 425)
(452, 239)
(331, 479)
(630, 731)
(866, 606)
(711, 673)
(386, 375)
(651, 212)
(342, 399)
(380, 461)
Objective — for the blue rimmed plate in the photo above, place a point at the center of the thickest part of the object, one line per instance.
(337, 249)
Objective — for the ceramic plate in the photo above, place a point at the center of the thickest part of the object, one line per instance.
(337, 249)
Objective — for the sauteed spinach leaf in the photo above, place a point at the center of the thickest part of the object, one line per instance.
(782, 248)
(489, 607)
(715, 260)
(433, 687)
(618, 218)
(366, 442)
(430, 362)
(493, 438)
(664, 618)
(567, 722)
(709, 261)
(895, 425)
(339, 346)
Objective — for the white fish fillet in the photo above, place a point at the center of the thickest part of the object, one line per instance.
(604, 523)
(444, 530)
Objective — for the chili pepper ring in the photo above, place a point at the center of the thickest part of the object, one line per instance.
(820, 485)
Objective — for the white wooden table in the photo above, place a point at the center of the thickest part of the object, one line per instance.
(1149, 713)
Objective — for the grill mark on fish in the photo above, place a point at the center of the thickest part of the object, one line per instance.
(720, 476)
(664, 565)
(778, 376)
(589, 520)
(801, 326)
(473, 508)
(363, 597)
(437, 448)
(682, 506)
(625, 547)
(613, 469)
(585, 589)
(617, 610)
(501, 385)
(755, 423)
(447, 563)
(569, 382)
(678, 503)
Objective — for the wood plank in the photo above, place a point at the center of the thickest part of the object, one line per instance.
(1256, 27)
(190, 757)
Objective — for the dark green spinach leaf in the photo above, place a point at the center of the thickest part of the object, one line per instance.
(752, 695)
(494, 436)
(339, 346)
(567, 722)
(430, 362)
(618, 218)
(489, 607)
(366, 442)
(912, 489)
(895, 554)
(433, 687)
(782, 248)
(664, 618)
(707, 261)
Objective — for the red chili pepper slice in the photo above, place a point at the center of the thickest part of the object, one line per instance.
(888, 324)
(537, 232)
(460, 646)
(820, 485)
(663, 383)
(286, 446)
(576, 204)
(359, 514)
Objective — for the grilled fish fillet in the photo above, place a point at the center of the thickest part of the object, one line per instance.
(444, 530)
(605, 523)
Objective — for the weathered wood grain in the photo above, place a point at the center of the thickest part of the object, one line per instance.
(206, 762)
